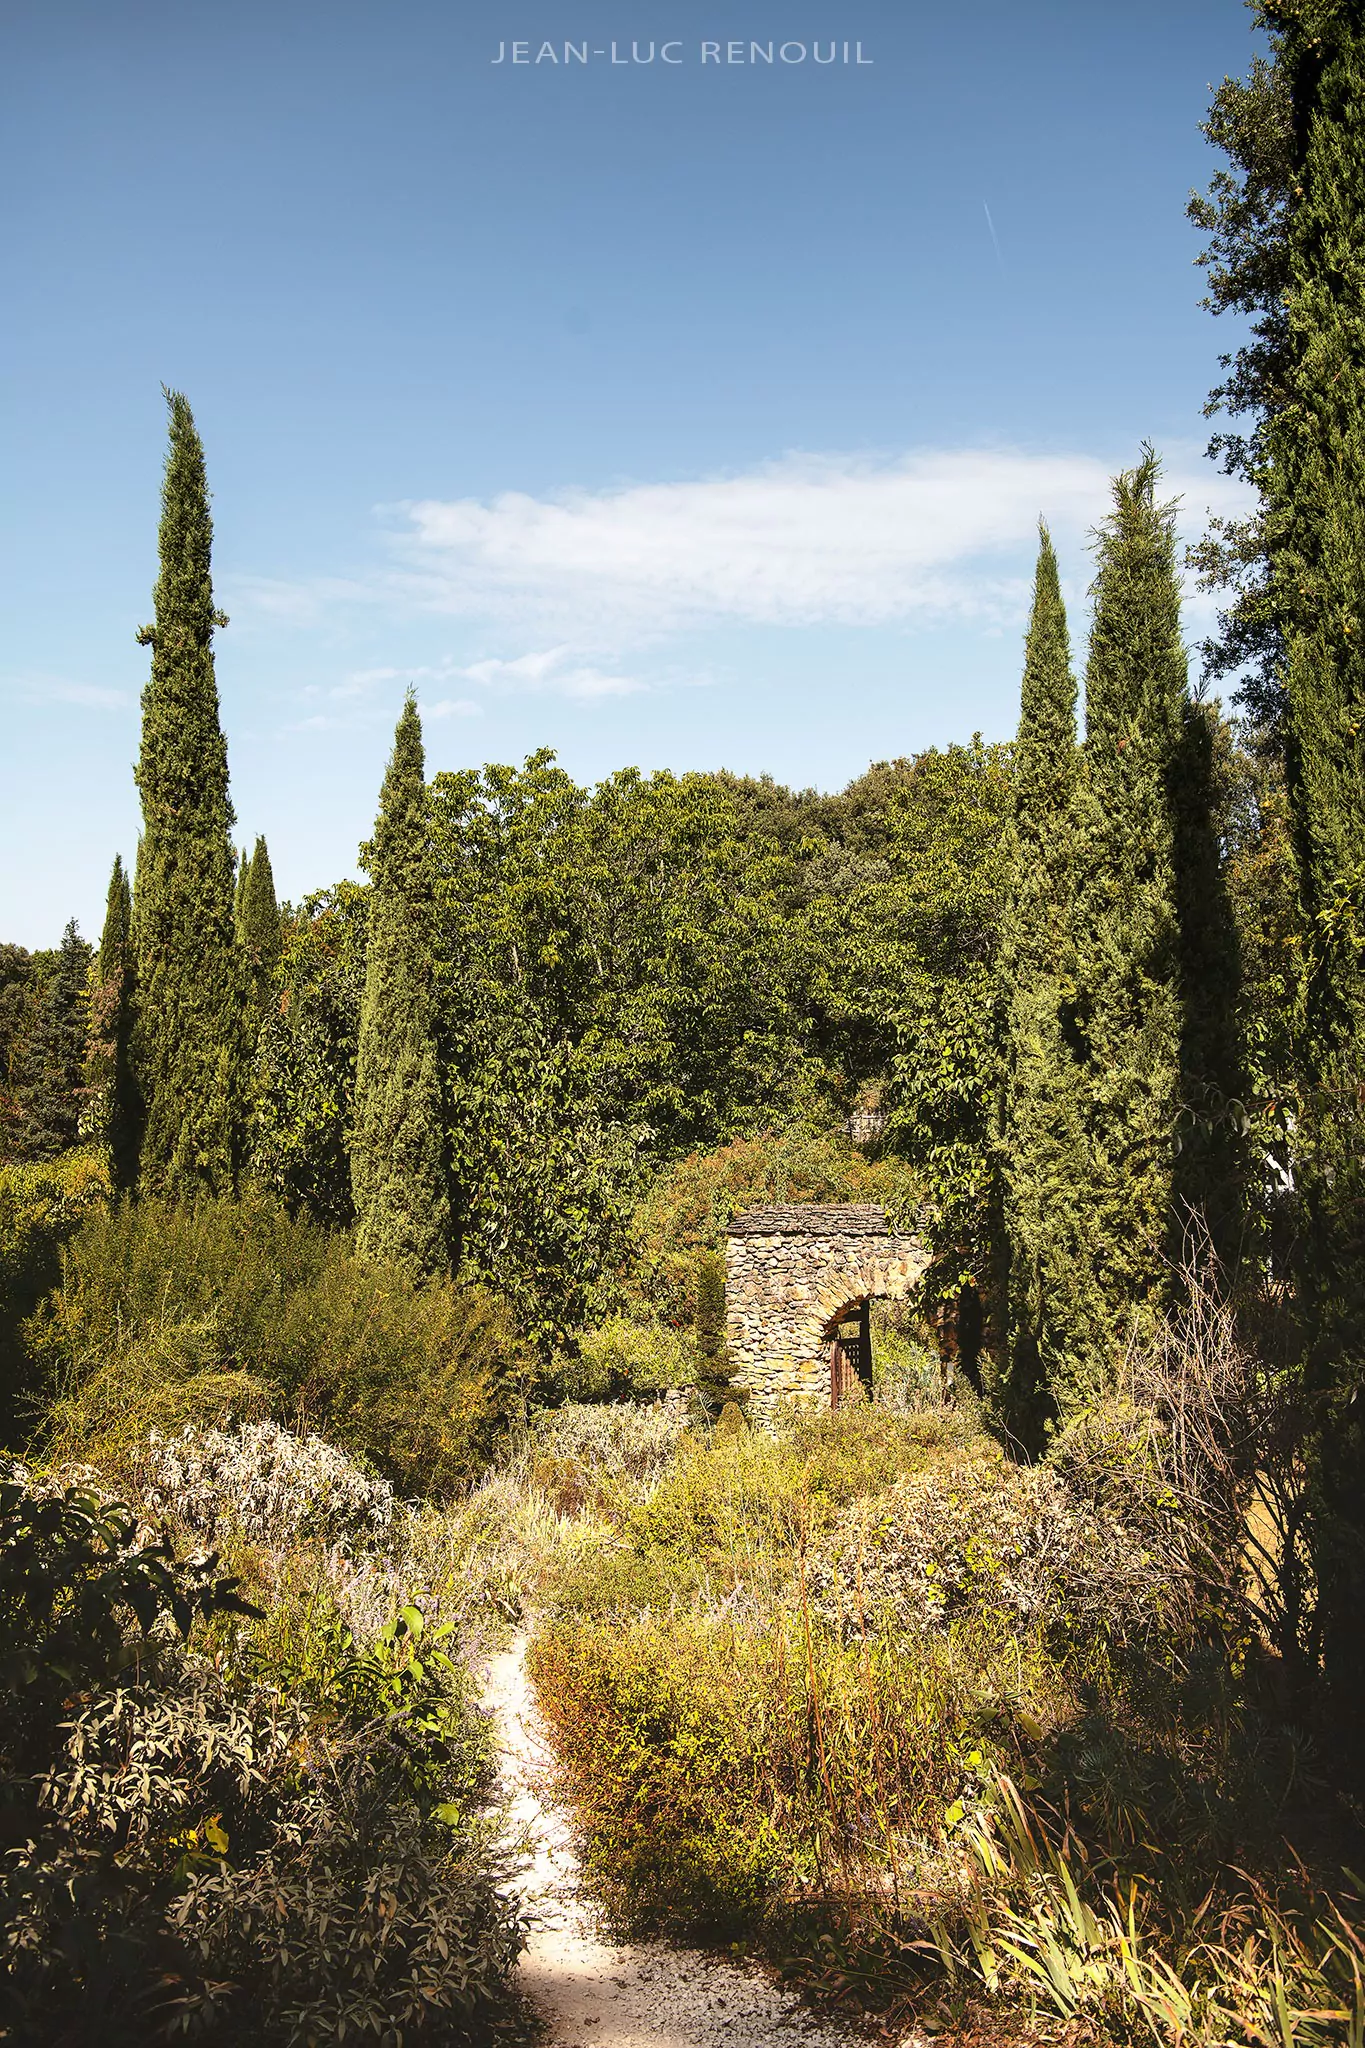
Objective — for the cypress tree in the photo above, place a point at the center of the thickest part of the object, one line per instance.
(398, 1143)
(188, 1041)
(114, 1113)
(51, 1088)
(1316, 522)
(1049, 1316)
(259, 925)
(1127, 1014)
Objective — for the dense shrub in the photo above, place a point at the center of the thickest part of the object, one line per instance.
(623, 1357)
(580, 1455)
(720, 1770)
(278, 1859)
(273, 1487)
(153, 1297)
(40, 1206)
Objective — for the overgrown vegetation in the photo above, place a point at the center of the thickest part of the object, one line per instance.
(362, 1299)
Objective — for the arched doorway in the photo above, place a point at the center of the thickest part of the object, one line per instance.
(848, 1338)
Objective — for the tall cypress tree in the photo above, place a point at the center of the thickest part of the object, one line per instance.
(1049, 1315)
(1316, 523)
(114, 1111)
(398, 1143)
(188, 1042)
(1127, 1015)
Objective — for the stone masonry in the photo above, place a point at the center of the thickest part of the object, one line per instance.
(793, 1271)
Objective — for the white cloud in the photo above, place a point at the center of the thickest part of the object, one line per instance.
(89, 696)
(552, 671)
(808, 540)
(453, 707)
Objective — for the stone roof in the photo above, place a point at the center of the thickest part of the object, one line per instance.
(811, 1219)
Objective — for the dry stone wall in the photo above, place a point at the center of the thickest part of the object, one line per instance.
(792, 1271)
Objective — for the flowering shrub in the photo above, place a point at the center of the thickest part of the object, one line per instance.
(276, 1488)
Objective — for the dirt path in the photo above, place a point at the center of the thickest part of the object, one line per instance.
(595, 1993)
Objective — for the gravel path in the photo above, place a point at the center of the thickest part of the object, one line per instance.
(594, 1993)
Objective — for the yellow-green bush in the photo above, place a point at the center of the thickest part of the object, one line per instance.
(157, 1302)
(625, 1356)
(720, 1771)
(40, 1206)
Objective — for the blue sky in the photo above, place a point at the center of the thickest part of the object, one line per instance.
(687, 415)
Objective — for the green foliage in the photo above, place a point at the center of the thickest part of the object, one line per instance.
(304, 1078)
(75, 1572)
(189, 1048)
(948, 859)
(1127, 1010)
(1041, 1139)
(48, 1089)
(620, 1358)
(113, 1116)
(171, 1314)
(258, 928)
(193, 1850)
(682, 1216)
(1315, 441)
(398, 1142)
(1245, 215)
(40, 1207)
(710, 1316)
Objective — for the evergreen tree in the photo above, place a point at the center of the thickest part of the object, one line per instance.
(1315, 491)
(241, 869)
(188, 1041)
(1049, 1315)
(1127, 1014)
(259, 925)
(51, 1083)
(398, 1141)
(113, 1117)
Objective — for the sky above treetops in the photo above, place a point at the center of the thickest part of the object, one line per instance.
(687, 413)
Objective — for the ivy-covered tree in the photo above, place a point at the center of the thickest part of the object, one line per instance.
(399, 1178)
(113, 1116)
(189, 1039)
(1050, 1312)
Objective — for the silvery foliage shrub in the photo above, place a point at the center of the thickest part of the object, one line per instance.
(583, 1454)
(988, 1541)
(621, 1438)
(211, 1861)
(276, 1488)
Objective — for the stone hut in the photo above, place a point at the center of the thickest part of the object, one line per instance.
(798, 1276)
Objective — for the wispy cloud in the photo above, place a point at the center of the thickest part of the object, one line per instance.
(89, 696)
(846, 540)
(835, 539)
(552, 671)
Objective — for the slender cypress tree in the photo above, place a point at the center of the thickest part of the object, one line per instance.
(1127, 1015)
(188, 1042)
(242, 865)
(1049, 1317)
(398, 1143)
(259, 924)
(1316, 523)
(113, 1117)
